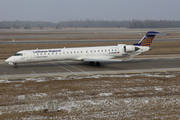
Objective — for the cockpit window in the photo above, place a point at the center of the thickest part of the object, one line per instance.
(18, 54)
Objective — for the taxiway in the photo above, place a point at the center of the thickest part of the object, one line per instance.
(69, 68)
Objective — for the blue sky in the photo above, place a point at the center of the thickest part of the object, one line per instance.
(64, 10)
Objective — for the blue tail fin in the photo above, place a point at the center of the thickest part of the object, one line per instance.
(148, 38)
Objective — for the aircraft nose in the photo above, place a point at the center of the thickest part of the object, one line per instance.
(7, 60)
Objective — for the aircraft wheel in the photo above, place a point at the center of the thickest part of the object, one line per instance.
(98, 64)
(15, 65)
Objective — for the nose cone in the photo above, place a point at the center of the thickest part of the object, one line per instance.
(9, 60)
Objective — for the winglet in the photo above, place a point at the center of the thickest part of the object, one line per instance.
(148, 38)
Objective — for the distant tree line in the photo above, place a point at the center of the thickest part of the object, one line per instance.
(93, 23)
(90, 23)
(153, 23)
(25, 24)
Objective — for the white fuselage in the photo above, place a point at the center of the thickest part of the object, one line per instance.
(93, 54)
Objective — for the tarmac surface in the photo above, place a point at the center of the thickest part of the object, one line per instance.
(77, 68)
(77, 41)
(61, 33)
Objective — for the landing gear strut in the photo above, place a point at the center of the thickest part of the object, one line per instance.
(15, 65)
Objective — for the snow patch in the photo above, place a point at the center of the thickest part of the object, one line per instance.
(42, 79)
(158, 88)
(2, 81)
(40, 95)
(105, 94)
(21, 97)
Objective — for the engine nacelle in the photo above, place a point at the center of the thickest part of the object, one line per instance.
(130, 48)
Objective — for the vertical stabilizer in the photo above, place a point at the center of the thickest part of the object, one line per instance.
(148, 38)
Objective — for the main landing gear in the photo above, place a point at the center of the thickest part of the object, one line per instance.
(95, 63)
(98, 64)
(15, 65)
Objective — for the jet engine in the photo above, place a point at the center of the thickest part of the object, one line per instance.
(130, 48)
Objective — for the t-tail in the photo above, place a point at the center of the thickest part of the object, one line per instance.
(148, 38)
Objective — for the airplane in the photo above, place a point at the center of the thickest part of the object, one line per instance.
(94, 55)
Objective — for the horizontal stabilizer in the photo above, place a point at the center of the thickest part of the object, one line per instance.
(157, 33)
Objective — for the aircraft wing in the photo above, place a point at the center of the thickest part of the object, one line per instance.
(102, 60)
(106, 59)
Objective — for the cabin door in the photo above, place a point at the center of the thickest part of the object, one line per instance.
(29, 55)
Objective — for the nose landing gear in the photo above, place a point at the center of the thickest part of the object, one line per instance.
(15, 65)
